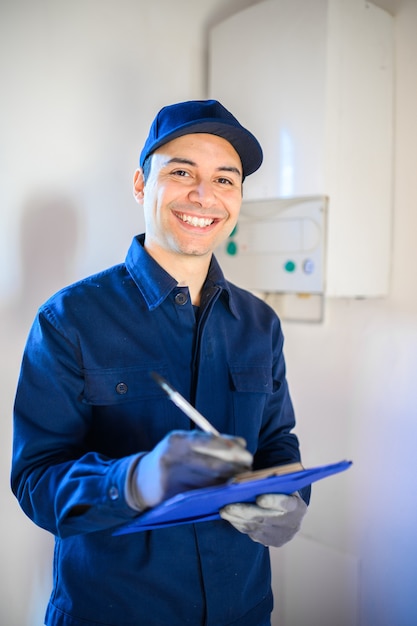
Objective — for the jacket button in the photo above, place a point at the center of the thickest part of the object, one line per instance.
(181, 298)
(113, 493)
(121, 388)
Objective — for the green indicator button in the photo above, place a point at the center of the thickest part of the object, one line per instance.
(231, 248)
(289, 266)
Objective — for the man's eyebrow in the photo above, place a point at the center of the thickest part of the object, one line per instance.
(222, 168)
(232, 169)
(181, 160)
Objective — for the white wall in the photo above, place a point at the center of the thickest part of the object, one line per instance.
(80, 84)
(354, 385)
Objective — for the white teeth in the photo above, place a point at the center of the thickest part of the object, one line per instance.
(201, 222)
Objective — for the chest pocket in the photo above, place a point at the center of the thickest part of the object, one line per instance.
(252, 386)
(129, 412)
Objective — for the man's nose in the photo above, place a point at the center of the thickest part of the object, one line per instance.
(202, 193)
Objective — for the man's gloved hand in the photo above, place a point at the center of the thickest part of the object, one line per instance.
(185, 460)
(272, 521)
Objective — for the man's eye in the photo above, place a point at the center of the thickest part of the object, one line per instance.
(225, 181)
(180, 173)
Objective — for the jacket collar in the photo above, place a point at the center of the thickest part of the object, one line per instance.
(155, 284)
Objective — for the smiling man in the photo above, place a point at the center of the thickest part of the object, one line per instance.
(96, 443)
(191, 204)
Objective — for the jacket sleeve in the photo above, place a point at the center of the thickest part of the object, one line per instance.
(61, 485)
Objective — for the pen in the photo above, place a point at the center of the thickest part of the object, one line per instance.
(185, 406)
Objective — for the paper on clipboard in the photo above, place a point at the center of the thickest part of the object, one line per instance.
(200, 505)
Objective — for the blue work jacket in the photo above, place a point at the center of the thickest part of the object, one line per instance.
(86, 406)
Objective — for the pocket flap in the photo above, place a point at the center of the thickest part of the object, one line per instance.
(111, 386)
(251, 379)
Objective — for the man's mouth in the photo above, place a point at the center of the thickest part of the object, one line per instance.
(200, 222)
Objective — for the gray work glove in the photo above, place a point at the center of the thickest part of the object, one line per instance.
(272, 521)
(185, 460)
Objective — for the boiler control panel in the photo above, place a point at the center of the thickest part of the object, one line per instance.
(278, 245)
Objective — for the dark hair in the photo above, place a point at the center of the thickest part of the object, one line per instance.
(146, 168)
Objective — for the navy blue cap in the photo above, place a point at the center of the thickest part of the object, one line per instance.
(203, 116)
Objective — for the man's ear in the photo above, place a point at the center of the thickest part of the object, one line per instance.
(138, 185)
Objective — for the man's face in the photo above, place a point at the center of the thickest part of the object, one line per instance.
(193, 195)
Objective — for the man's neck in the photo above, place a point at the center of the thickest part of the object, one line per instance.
(188, 270)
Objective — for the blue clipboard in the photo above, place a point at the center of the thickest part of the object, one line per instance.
(202, 505)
